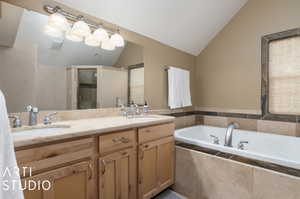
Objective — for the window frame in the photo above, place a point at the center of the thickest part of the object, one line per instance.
(131, 67)
(265, 44)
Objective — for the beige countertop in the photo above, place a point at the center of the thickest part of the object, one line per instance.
(85, 127)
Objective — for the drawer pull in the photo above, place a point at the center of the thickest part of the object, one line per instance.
(122, 140)
(103, 167)
(91, 171)
(52, 155)
(104, 163)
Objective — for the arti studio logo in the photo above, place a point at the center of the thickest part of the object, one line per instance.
(10, 180)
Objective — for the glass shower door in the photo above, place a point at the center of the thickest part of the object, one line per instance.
(87, 89)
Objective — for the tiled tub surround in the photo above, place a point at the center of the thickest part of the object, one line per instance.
(204, 176)
(275, 149)
(246, 122)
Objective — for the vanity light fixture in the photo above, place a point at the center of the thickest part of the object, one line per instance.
(117, 39)
(80, 28)
(59, 27)
(73, 37)
(57, 24)
(58, 21)
(108, 45)
(53, 32)
(92, 41)
(101, 35)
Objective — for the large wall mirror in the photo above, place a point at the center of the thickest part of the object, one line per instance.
(61, 74)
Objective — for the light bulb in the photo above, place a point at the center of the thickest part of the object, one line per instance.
(108, 45)
(118, 40)
(101, 35)
(53, 32)
(73, 37)
(81, 29)
(92, 41)
(58, 21)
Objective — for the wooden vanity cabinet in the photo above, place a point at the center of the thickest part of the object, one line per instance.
(74, 181)
(68, 165)
(130, 164)
(118, 175)
(156, 162)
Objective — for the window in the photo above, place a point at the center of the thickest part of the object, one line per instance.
(281, 75)
(136, 84)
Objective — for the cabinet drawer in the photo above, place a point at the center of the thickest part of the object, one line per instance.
(117, 141)
(155, 132)
(44, 157)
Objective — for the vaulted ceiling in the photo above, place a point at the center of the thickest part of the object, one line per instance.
(188, 25)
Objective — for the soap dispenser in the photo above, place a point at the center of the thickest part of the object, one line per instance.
(145, 108)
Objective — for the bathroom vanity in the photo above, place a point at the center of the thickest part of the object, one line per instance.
(106, 158)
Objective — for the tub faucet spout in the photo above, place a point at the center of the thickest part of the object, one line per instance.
(229, 131)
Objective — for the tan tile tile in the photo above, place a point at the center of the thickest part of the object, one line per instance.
(215, 121)
(282, 128)
(199, 175)
(272, 185)
(179, 122)
(190, 120)
(245, 124)
(298, 130)
(185, 121)
(199, 120)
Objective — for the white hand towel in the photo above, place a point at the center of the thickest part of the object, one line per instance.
(179, 88)
(174, 99)
(10, 182)
(186, 92)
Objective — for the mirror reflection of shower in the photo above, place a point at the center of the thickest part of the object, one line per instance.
(41, 66)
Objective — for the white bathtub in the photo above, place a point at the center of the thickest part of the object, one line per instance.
(277, 149)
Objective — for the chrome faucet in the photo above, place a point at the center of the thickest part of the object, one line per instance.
(48, 118)
(17, 123)
(33, 113)
(134, 110)
(229, 131)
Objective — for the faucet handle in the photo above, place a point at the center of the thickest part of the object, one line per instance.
(241, 145)
(17, 123)
(31, 108)
(216, 140)
(47, 119)
(35, 110)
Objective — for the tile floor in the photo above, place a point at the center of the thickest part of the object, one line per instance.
(169, 194)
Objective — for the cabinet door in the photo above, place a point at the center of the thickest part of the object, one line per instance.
(166, 154)
(75, 181)
(156, 167)
(118, 173)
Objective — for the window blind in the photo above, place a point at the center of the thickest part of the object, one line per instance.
(284, 76)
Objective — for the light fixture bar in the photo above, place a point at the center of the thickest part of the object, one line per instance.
(51, 9)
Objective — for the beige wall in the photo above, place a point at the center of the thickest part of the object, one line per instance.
(156, 56)
(228, 70)
(131, 55)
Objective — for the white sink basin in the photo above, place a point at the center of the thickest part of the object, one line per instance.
(39, 131)
(146, 117)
